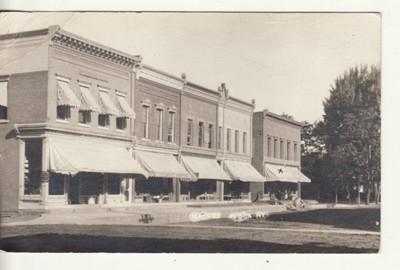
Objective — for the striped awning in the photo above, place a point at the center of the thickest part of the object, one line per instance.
(106, 105)
(3, 94)
(88, 101)
(65, 95)
(284, 174)
(124, 109)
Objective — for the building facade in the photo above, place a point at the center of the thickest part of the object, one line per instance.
(82, 123)
(277, 152)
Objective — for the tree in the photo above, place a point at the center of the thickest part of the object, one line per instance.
(351, 129)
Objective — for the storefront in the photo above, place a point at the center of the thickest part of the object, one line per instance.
(283, 182)
(87, 171)
(243, 175)
(165, 177)
(211, 178)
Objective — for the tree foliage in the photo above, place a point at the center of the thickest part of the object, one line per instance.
(348, 138)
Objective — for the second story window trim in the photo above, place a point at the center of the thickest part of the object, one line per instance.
(236, 141)
(228, 139)
(244, 146)
(159, 123)
(171, 126)
(189, 131)
(107, 108)
(146, 111)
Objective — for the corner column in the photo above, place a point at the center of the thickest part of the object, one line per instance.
(176, 184)
(45, 175)
(220, 190)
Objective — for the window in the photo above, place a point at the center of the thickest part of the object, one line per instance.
(3, 101)
(295, 151)
(219, 141)
(171, 127)
(63, 112)
(269, 146)
(113, 184)
(56, 184)
(281, 155)
(245, 142)
(201, 134)
(236, 141)
(159, 121)
(121, 123)
(275, 148)
(210, 135)
(145, 121)
(288, 151)
(32, 166)
(85, 117)
(228, 139)
(189, 137)
(104, 120)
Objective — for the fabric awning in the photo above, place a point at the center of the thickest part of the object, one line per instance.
(162, 165)
(3, 94)
(65, 95)
(204, 168)
(89, 103)
(285, 174)
(106, 105)
(243, 171)
(70, 156)
(125, 109)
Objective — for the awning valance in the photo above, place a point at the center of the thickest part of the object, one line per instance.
(65, 95)
(106, 105)
(70, 156)
(284, 174)
(204, 168)
(89, 103)
(162, 165)
(124, 109)
(243, 171)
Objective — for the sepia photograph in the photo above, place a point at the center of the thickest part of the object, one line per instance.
(190, 132)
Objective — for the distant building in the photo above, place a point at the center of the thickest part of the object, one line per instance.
(277, 152)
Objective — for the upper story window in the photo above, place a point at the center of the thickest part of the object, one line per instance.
(159, 122)
(171, 126)
(219, 140)
(276, 148)
(125, 112)
(281, 155)
(236, 141)
(145, 109)
(107, 108)
(244, 142)
(104, 120)
(294, 151)
(201, 134)
(3, 100)
(88, 104)
(85, 117)
(269, 147)
(210, 135)
(228, 139)
(189, 135)
(121, 123)
(288, 151)
(66, 99)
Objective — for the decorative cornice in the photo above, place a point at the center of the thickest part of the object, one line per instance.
(87, 47)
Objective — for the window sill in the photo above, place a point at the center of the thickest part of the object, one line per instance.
(4, 121)
(104, 128)
(83, 125)
(121, 130)
(63, 121)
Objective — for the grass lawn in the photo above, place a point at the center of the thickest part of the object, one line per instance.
(357, 219)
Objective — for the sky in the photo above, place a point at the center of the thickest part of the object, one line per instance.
(287, 62)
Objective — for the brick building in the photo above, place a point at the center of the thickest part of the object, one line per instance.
(277, 152)
(82, 123)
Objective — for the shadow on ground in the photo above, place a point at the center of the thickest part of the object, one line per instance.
(360, 219)
(86, 243)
